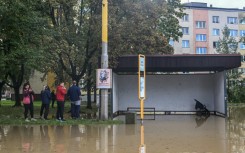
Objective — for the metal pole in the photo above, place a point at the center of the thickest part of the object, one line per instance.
(104, 58)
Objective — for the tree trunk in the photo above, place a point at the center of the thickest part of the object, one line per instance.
(95, 94)
(89, 86)
(1, 88)
(89, 103)
(17, 96)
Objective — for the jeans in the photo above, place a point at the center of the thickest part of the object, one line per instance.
(60, 110)
(28, 107)
(46, 107)
(75, 109)
(53, 100)
(72, 110)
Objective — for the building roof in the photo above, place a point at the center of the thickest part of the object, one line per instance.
(200, 5)
(180, 63)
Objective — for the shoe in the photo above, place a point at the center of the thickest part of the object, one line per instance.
(27, 120)
(62, 120)
(33, 119)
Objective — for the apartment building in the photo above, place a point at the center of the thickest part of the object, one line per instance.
(202, 27)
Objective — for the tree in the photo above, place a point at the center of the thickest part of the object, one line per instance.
(229, 45)
(139, 26)
(20, 28)
(75, 32)
(73, 37)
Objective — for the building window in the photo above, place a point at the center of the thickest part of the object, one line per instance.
(171, 42)
(201, 50)
(201, 37)
(185, 18)
(233, 46)
(242, 21)
(242, 45)
(233, 32)
(232, 20)
(242, 58)
(185, 30)
(200, 24)
(215, 44)
(215, 19)
(185, 44)
(215, 32)
(241, 70)
(242, 33)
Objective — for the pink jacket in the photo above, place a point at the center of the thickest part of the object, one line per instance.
(28, 96)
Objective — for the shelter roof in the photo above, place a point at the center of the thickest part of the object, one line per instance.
(180, 63)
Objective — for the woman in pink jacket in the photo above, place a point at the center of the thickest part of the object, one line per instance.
(28, 98)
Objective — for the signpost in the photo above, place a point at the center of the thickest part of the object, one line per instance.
(141, 95)
(141, 84)
(104, 59)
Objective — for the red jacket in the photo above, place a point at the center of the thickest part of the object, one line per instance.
(60, 93)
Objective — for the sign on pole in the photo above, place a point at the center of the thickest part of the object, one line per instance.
(104, 78)
(141, 77)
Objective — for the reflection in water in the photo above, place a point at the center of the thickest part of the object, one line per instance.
(167, 134)
(142, 148)
(200, 119)
(236, 127)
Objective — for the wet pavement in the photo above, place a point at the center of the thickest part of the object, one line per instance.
(166, 134)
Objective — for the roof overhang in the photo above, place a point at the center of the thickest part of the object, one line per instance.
(180, 63)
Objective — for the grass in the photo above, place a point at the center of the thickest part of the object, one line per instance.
(15, 115)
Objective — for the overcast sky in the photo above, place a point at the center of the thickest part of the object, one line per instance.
(221, 3)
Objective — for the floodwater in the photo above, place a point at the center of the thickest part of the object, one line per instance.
(166, 134)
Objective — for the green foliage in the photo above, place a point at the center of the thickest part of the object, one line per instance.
(237, 91)
(73, 37)
(235, 87)
(20, 32)
(227, 44)
(73, 41)
(139, 26)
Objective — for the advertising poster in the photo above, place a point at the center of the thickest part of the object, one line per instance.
(104, 78)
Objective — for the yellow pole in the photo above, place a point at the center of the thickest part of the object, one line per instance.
(142, 148)
(142, 135)
(141, 109)
(104, 21)
(104, 59)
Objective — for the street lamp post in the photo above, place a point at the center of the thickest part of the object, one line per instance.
(104, 58)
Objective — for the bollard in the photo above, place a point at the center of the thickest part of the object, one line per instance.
(130, 118)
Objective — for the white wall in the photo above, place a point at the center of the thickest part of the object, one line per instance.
(115, 92)
(169, 92)
(219, 92)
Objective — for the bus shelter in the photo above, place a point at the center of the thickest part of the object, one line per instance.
(173, 82)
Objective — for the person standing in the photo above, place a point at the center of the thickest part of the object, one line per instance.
(60, 98)
(53, 98)
(74, 93)
(46, 97)
(28, 98)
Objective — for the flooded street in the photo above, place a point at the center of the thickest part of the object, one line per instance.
(166, 134)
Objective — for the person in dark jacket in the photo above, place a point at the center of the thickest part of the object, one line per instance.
(53, 97)
(74, 93)
(46, 97)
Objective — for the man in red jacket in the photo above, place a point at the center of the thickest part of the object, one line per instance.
(60, 98)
